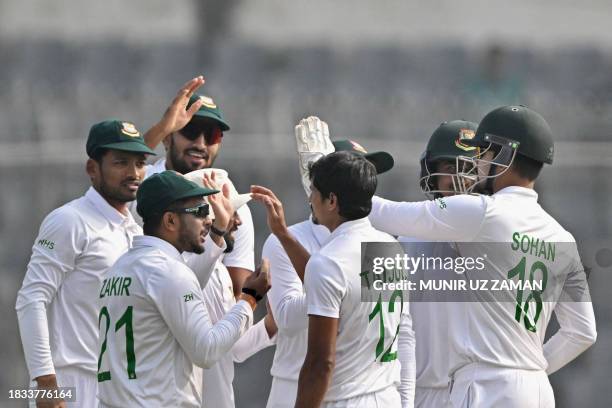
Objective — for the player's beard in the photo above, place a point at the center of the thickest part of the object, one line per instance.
(190, 239)
(178, 163)
(230, 242)
(313, 216)
(120, 193)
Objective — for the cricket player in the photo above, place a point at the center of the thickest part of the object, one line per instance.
(287, 297)
(192, 130)
(345, 364)
(76, 244)
(500, 358)
(432, 312)
(218, 391)
(155, 331)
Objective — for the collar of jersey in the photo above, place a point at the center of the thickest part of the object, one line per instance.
(110, 213)
(158, 243)
(516, 190)
(320, 232)
(350, 226)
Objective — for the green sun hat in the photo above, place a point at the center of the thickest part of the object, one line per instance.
(116, 135)
(157, 192)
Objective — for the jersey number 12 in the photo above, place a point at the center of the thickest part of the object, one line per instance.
(378, 310)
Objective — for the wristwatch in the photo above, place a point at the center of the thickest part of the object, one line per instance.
(217, 231)
(252, 292)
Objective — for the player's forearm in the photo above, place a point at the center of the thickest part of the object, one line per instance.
(156, 134)
(562, 348)
(214, 342)
(203, 264)
(429, 220)
(254, 340)
(34, 331)
(576, 334)
(315, 377)
(238, 276)
(406, 355)
(298, 255)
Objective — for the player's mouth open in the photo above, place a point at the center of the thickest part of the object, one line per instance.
(132, 186)
(197, 154)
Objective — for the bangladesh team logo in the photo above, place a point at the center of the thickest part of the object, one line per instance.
(465, 134)
(358, 147)
(129, 129)
(208, 102)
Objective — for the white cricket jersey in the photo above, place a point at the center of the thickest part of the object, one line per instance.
(494, 332)
(243, 254)
(288, 301)
(56, 306)
(431, 314)
(366, 344)
(155, 331)
(219, 298)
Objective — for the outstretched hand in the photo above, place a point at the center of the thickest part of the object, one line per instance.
(259, 280)
(313, 142)
(177, 115)
(274, 208)
(220, 202)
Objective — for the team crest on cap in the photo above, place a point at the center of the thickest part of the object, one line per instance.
(129, 129)
(358, 147)
(465, 134)
(208, 102)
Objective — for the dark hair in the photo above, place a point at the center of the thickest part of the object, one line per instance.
(151, 224)
(98, 154)
(526, 167)
(350, 177)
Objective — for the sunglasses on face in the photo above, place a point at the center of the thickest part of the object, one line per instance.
(201, 211)
(212, 132)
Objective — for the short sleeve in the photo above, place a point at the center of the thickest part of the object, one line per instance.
(325, 286)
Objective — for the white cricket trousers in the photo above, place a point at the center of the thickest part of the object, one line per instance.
(85, 383)
(282, 393)
(479, 385)
(430, 397)
(385, 398)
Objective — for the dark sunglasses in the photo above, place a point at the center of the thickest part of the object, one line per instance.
(212, 132)
(201, 211)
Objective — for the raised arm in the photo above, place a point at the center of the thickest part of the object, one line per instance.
(177, 115)
(276, 222)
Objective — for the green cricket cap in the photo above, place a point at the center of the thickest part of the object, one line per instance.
(116, 135)
(157, 192)
(209, 109)
(383, 161)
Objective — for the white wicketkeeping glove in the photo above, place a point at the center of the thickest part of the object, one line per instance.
(313, 142)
